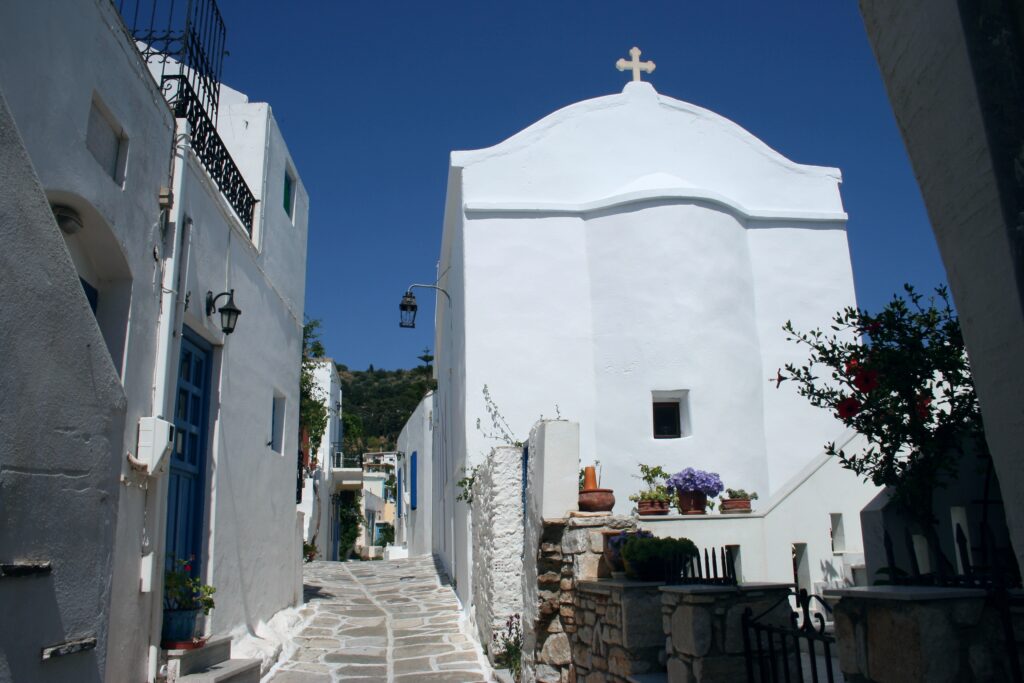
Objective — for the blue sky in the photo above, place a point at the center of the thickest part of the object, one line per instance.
(372, 97)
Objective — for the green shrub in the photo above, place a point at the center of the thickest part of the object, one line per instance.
(655, 559)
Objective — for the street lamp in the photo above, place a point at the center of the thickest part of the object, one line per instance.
(407, 307)
(228, 312)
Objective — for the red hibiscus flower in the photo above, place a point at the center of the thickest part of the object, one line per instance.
(852, 365)
(866, 380)
(187, 567)
(848, 407)
(779, 379)
(922, 406)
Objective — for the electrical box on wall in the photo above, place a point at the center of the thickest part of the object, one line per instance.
(156, 438)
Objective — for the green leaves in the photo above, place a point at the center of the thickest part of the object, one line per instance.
(901, 378)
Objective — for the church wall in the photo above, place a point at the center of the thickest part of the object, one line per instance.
(801, 272)
(451, 540)
(673, 309)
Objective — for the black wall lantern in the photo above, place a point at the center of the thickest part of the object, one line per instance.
(229, 312)
(407, 308)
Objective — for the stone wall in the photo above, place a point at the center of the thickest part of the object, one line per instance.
(704, 628)
(569, 551)
(617, 634)
(497, 511)
(915, 634)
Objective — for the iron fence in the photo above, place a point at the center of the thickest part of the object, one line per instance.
(797, 652)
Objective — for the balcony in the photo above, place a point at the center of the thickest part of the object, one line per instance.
(346, 469)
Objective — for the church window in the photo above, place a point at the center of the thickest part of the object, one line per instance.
(670, 410)
(106, 141)
(289, 193)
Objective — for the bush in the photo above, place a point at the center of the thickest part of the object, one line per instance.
(656, 559)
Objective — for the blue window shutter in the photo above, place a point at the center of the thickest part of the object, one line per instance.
(398, 501)
(412, 480)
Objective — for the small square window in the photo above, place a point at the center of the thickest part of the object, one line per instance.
(666, 420)
(289, 194)
(670, 410)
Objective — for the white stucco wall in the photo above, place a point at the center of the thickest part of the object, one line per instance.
(638, 244)
(61, 429)
(497, 540)
(58, 57)
(799, 513)
(316, 491)
(415, 528)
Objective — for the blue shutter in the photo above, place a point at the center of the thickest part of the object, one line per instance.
(412, 480)
(398, 501)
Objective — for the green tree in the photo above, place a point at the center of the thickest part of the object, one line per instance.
(902, 379)
(313, 412)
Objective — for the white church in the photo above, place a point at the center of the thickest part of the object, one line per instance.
(633, 251)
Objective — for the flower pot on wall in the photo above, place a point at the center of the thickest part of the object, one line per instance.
(597, 500)
(652, 507)
(732, 506)
(692, 502)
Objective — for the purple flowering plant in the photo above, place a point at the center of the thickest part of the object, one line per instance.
(689, 479)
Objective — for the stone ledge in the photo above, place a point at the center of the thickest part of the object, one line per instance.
(606, 586)
(687, 589)
(904, 593)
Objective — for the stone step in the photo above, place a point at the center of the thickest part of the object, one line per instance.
(216, 650)
(231, 671)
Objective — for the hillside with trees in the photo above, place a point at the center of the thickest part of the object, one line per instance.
(376, 403)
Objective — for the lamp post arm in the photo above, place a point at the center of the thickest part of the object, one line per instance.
(434, 287)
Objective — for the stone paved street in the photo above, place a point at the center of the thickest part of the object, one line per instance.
(380, 621)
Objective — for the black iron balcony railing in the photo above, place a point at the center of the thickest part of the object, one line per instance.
(210, 149)
(186, 38)
(347, 460)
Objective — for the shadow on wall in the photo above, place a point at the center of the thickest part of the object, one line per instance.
(101, 266)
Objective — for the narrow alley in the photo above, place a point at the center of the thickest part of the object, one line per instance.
(381, 621)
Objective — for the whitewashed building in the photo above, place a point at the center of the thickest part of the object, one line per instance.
(161, 209)
(414, 522)
(323, 476)
(628, 263)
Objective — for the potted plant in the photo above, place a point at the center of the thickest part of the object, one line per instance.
(693, 488)
(653, 500)
(185, 596)
(592, 498)
(736, 501)
(613, 542)
(656, 559)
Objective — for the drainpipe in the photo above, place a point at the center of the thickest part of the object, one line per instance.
(172, 308)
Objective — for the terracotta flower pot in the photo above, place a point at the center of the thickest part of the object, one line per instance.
(731, 506)
(596, 500)
(652, 507)
(692, 502)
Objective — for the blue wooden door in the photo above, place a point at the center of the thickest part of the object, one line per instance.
(186, 492)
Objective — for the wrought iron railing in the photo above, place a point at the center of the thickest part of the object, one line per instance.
(210, 149)
(347, 460)
(186, 38)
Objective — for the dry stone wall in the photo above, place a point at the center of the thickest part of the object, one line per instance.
(569, 551)
(497, 511)
(704, 628)
(618, 634)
